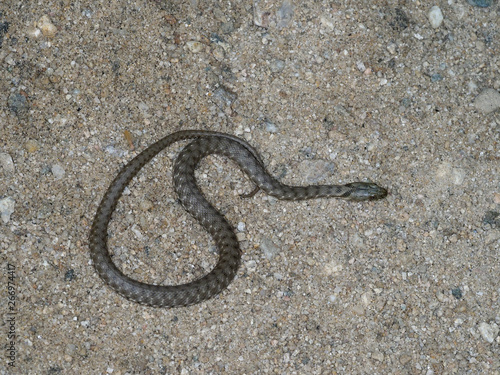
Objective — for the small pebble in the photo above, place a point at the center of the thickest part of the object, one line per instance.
(6, 208)
(87, 13)
(10, 59)
(488, 331)
(241, 226)
(284, 14)
(219, 53)
(391, 47)
(491, 218)
(378, 356)
(112, 150)
(277, 66)
(57, 171)
(268, 247)
(496, 198)
(332, 267)
(227, 27)
(270, 127)
(31, 146)
(481, 3)
(4, 27)
(457, 293)
(7, 163)
(446, 174)
(404, 359)
(48, 28)
(251, 265)
(145, 205)
(487, 101)
(223, 98)
(69, 275)
(435, 17)
(399, 21)
(458, 322)
(436, 77)
(327, 22)
(361, 66)
(34, 32)
(194, 46)
(18, 103)
(261, 18)
(358, 310)
(137, 232)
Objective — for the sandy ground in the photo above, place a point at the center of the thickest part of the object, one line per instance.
(327, 92)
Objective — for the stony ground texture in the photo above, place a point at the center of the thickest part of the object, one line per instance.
(396, 92)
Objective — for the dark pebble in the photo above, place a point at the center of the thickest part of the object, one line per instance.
(4, 27)
(457, 293)
(436, 77)
(69, 275)
(17, 103)
(481, 3)
(399, 21)
(492, 218)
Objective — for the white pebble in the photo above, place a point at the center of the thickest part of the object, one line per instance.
(270, 127)
(6, 162)
(435, 17)
(58, 171)
(137, 232)
(6, 208)
(284, 14)
(34, 32)
(487, 101)
(488, 331)
(241, 226)
(269, 249)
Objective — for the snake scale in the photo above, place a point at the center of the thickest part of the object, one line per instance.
(204, 143)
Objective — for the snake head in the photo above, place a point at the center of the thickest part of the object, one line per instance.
(365, 191)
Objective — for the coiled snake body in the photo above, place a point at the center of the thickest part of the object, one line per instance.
(192, 199)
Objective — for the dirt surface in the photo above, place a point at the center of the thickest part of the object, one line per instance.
(328, 92)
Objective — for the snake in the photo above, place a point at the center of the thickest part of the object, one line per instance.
(203, 143)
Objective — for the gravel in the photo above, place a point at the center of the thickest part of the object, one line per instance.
(332, 92)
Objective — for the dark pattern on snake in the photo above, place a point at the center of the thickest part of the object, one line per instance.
(192, 199)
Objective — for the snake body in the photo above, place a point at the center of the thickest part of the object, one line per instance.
(205, 143)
